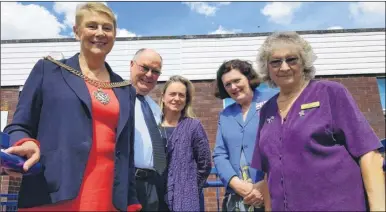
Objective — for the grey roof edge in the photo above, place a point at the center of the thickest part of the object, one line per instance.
(48, 40)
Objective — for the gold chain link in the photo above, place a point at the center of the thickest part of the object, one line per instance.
(96, 83)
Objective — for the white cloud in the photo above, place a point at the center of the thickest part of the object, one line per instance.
(37, 22)
(125, 33)
(367, 7)
(368, 13)
(334, 27)
(202, 8)
(222, 30)
(28, 22)
(281, 12)
(68, 9)
(205, 8)
(224, 3)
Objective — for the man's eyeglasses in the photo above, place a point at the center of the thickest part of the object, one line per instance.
(291, 61)
(146, 69)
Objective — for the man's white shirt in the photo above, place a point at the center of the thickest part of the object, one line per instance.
(143, 148)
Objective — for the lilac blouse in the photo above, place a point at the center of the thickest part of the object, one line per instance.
(312, 159)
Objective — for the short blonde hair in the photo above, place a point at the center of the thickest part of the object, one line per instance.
(188, 110)
(307, 55)
(94, 7)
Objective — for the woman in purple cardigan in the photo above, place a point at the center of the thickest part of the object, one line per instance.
(187, 146)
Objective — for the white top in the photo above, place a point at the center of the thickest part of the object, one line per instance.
(143, 148)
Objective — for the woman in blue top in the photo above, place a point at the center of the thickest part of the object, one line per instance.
(236, 134)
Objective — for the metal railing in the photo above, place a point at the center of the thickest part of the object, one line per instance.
(212, 184)
(8, 202)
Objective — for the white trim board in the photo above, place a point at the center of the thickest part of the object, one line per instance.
(4, 119)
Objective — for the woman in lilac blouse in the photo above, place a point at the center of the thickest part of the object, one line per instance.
(187, 146)
(317, 149)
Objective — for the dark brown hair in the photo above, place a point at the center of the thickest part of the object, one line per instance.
(244, 67)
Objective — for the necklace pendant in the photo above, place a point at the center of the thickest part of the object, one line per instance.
(101, 96)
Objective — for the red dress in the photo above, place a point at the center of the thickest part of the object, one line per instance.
(95, 193)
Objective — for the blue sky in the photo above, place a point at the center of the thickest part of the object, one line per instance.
(54, 19)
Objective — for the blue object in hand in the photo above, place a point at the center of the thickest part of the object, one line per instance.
(14, 162)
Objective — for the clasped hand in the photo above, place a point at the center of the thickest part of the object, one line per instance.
(254, 197)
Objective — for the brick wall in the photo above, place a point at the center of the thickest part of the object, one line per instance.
(8, 98)
(363, 88)
(366, 93)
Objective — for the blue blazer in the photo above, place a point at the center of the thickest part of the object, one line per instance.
(233, 133)
(55, 108)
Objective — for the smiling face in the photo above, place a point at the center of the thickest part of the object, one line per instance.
(145, 71)
(236, 85)
(96, 33)
(285, 66)
(174, 98)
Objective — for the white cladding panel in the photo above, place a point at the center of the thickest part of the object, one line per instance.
(198, 59)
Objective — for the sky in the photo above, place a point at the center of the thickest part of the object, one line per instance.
(38, 20)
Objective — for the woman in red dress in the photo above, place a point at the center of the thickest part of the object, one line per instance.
(76, 117)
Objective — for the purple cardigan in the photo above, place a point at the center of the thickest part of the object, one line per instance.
(189, 165)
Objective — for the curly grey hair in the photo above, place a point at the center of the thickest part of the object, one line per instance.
(305, 50)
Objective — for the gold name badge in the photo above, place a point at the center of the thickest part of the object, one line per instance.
(310, 105)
